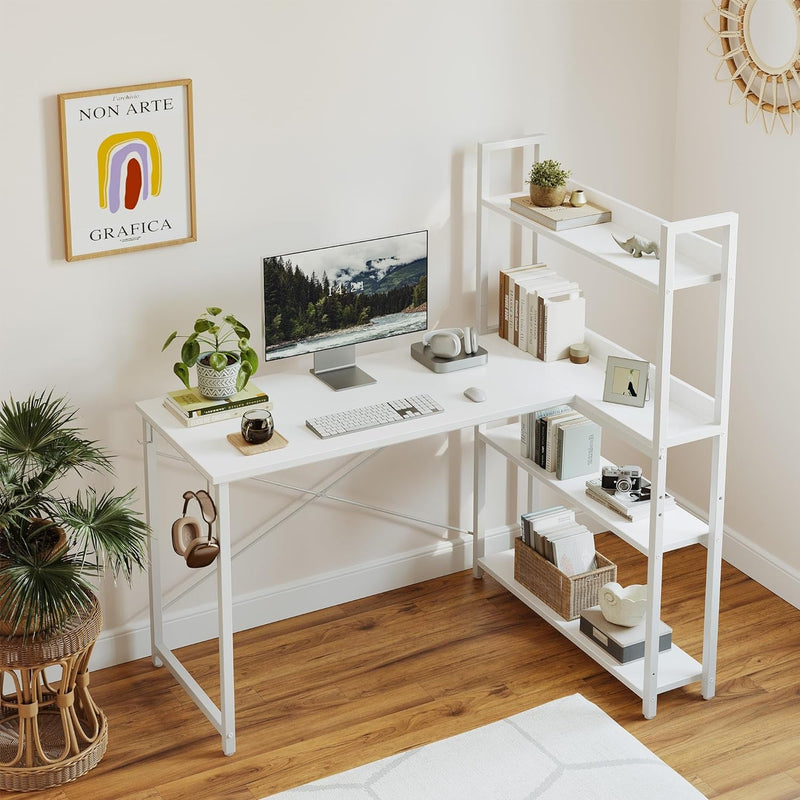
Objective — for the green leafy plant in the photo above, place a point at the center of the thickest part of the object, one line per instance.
(548, 173)
(52, 545)
(226, 340)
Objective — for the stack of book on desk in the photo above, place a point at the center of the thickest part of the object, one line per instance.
(540, 311)
(191, 408)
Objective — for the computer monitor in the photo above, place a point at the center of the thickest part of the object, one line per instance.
(327, 300)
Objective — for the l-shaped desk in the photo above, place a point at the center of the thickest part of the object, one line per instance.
(514, 383)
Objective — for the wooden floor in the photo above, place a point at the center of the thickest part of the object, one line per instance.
(331, 690)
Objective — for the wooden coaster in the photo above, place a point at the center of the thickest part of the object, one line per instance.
(275, 443)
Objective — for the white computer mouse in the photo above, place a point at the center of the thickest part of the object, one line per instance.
(475, 393)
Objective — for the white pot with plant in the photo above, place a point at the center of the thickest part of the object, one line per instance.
(220, 348)
(548, 183)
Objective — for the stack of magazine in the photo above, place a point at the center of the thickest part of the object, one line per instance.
(631, 505)
(191, 408)
(554, 535)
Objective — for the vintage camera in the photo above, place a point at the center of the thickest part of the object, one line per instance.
(622, 479)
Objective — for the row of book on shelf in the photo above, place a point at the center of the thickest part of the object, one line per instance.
(564, 441)
(192, 408)
(540, 311)
(561, 440)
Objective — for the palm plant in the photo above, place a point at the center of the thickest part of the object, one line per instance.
(52, 545)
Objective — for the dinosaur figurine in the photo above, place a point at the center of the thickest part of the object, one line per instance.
(636, 245)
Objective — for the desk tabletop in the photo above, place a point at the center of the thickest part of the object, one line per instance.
(513, 381)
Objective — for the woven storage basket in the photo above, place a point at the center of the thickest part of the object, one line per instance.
(566, 594)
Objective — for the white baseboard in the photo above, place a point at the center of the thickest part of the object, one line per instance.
(132, 641)
(755, 562)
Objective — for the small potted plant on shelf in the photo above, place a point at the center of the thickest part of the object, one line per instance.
(220, 348)
(547, 181)
(52, 545)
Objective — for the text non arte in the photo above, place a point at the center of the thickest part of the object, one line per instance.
(137, 108)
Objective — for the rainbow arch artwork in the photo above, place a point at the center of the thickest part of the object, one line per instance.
(128, 170)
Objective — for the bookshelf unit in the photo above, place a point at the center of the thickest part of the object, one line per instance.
(677, 413)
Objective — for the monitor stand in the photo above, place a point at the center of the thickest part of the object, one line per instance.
(337, 367)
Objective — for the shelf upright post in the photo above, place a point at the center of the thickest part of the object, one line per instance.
(478, 499)
(718, 456)
(530, 146)
(153, 558)
(658, 488)
(227, 709)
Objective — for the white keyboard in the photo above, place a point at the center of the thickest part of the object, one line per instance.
(374, 416)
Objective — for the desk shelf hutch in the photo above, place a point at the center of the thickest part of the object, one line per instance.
(676, 414)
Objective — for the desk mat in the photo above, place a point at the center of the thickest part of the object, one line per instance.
(275, 443)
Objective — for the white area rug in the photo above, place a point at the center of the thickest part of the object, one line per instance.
(565, 750)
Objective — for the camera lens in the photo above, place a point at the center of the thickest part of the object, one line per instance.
(624, 485)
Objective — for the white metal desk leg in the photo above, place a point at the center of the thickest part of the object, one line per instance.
(154, 562)
(225, 618)
(478, 500)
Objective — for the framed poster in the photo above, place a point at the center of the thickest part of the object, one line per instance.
(127, 165)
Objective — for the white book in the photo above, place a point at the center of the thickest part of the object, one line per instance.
(552, 437)
(564, 324)
(512, 276)
(552, 535)
(575, 554)
(541, 529)
(544, 288)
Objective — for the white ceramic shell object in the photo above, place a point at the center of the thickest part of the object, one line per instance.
(624, 607)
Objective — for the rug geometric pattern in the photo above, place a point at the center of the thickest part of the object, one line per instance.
(568, 749)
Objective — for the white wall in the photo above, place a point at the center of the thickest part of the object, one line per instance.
(723, 163)
(316, 123)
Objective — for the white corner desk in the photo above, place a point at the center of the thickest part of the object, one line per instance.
(514, 383)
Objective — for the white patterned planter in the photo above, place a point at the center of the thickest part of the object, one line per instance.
(213, 384)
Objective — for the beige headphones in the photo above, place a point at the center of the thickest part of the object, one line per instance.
(451, 342)
(187, 535)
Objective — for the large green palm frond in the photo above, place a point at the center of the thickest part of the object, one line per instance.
(37, 438)
(40, 590)
(107, 528)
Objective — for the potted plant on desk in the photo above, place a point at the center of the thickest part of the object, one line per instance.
(225, 365)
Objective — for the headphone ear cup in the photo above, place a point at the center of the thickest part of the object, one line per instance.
(445, 344)
(468, 348)
(185, 530)
(201, 553)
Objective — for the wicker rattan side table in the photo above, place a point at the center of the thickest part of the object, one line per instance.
(51, 731)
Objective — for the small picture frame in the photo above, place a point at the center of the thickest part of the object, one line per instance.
(626, 381)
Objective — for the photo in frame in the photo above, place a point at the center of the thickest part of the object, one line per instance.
(626, 381)
(127, 164)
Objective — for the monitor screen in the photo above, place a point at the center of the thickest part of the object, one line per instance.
(342, 295)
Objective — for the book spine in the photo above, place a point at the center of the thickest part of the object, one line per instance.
(216, 409)
(540, 328)
(516, 313)
(261, 402)
(545, 351)
(501, 305)
(525, 422)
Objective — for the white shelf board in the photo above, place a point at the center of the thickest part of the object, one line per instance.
(675, 667)
(697, 259)
(681, 528)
